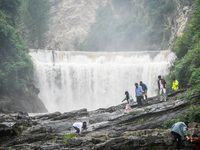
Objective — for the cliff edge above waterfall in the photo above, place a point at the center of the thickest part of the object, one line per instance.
(108, 128)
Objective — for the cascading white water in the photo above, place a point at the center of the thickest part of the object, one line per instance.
(74, 80)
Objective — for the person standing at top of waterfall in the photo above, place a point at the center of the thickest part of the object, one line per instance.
(144, 88)
(162, 88)
(138, 94)
(175, 85)
(129, 100)
(80, 126)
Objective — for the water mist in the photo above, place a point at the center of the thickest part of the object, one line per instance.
(74, 80)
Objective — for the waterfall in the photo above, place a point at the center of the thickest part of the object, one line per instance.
(74, 80)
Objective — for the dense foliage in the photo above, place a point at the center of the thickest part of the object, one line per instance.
(192, 115)
(35, 14)
(186, 69)
(123, 26)
(16, 67)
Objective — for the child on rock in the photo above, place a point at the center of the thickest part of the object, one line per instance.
(129, 102)
(196, 140)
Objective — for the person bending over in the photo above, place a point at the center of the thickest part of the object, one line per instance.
(179, 132)
(80, 126)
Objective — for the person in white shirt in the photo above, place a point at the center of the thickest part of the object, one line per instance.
(80, 126)
(162, 88)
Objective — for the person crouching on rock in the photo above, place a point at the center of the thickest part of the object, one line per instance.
(80, 126)
(179, 131)
(196, 140)
(129, 100)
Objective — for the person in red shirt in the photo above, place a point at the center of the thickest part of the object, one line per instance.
(196, 140)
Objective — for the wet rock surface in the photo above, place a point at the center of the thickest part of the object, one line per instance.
(108, 128)
(31, 104)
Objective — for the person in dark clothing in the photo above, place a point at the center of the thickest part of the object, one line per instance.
(144, 88)
(179, 132)
(196, 140)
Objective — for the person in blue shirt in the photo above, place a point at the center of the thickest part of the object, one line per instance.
(144, 88)
(138, 94)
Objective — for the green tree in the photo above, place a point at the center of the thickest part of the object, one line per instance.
(16, 68)
(186, 47)
(195, 80)
(36, 18)
(10, 7)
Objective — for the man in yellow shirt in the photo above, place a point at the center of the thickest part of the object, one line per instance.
(175, 85)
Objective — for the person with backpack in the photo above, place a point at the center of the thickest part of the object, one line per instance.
(144, 88)
(80, 126)
(175, 85)
(129, 100)
(162, 88)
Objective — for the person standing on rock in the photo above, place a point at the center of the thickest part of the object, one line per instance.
(144, 88)
(175, 85)
(129, 101)
(80, 126)
(138, 94)
(179, 132)
(162, 88)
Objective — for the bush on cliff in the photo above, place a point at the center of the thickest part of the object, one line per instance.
(192, 115)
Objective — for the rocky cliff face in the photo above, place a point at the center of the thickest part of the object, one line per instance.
(71, 21)
(180, 18)
(23, 103)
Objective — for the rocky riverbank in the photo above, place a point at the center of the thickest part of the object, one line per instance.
(108, 128)
(25, 103)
